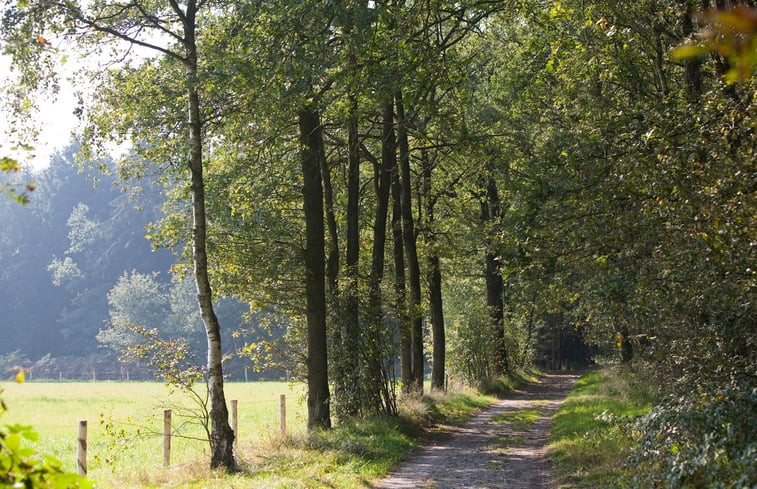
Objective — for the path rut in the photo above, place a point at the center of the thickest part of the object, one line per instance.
(503, 447)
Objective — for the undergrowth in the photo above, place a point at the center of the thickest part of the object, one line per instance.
(700, 440)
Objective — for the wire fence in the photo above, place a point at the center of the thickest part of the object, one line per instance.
(154, 436)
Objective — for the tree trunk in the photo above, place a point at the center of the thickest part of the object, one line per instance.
(411, 252)
(332, 264)
(221, 435)
(375, 347)
(400, 293)
(493, 275)
(311, 155)
(436, 306)
(693, 67)
(626, 348)
(348, 375)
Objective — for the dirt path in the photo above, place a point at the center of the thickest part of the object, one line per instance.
(503, 447)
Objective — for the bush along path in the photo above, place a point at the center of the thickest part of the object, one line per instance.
(502, 447)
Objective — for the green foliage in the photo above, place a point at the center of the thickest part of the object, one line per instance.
(700, 441)
(20, 466)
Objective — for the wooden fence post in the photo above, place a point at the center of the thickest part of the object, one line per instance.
(283, 410)
(235, 424)
(82, 456)
(166, 437)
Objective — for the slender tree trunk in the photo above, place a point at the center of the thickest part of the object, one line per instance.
(353, 229)
(411, 252)
(377, 347)
(378, 395)
(437, 322)
(400, 293)
(311, 155)
(436, 306)
(348, 375)
(221, 435)
(494, 284)
(332, 263)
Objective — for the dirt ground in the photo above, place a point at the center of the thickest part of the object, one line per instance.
(503, 447)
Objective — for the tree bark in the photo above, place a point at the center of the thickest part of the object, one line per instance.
(693, 67)
(436, 306)
(332, 263)
(400, 292)
(348, 372)
(411, 251)
(311, 155)
(626, 348)
(493, 275)
(221, 435)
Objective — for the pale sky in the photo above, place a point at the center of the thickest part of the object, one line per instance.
(55, 122)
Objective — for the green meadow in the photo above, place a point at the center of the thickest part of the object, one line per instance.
(125, 421)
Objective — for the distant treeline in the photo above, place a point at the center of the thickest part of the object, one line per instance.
(63, 257)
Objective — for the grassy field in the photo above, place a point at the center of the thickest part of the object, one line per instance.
(125, 421)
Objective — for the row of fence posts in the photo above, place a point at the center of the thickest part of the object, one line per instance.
(82, 435)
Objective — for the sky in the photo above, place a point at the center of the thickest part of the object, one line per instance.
(55, 122)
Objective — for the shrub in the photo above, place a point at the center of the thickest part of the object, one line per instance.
(707, 441)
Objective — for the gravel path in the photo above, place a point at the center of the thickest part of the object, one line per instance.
(503, 447)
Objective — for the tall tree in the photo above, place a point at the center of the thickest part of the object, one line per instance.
(138, 24)
(312, 156)
(409, 240)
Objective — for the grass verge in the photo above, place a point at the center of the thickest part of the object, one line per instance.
(349, 456)
(589, 438)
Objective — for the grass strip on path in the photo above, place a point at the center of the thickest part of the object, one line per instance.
(589, 437)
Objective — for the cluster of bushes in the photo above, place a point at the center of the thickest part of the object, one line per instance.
(699, 441)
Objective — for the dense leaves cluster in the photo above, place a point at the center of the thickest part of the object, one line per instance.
(700, 442)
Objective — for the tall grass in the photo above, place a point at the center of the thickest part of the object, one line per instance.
(590, 438)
